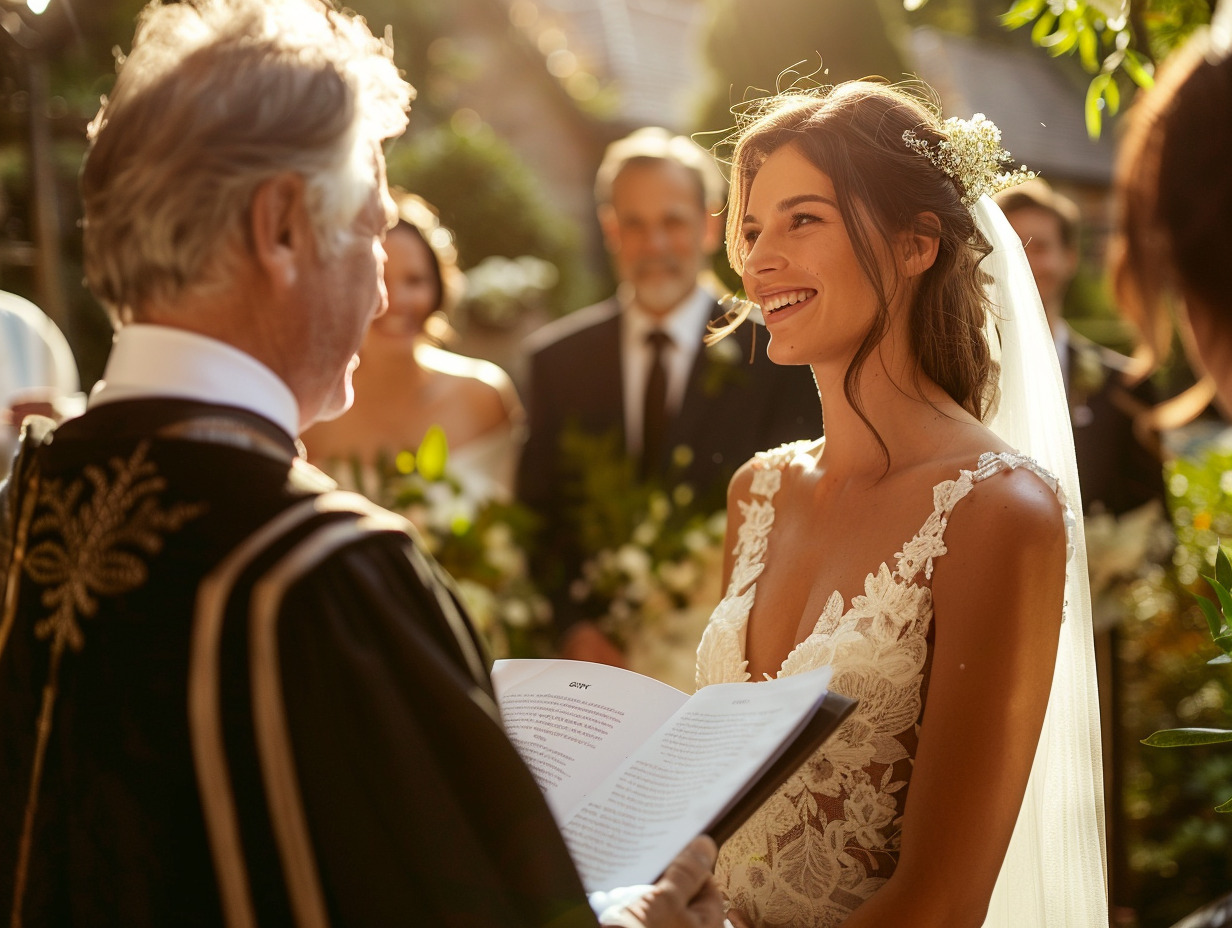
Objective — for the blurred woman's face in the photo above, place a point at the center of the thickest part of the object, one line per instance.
(410, 279)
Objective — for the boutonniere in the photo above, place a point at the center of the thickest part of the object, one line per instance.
(724, 366)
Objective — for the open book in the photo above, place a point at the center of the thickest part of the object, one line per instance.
(634, 769)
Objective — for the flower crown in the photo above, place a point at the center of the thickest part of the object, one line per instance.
(972, 155)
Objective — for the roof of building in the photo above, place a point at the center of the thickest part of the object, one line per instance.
(1037, 105)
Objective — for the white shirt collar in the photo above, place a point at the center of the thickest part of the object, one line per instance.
(161, 361)
(684, 323)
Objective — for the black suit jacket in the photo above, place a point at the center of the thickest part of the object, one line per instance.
(1116, 471)
(732, 408)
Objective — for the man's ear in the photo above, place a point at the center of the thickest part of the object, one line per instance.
(917, 246)
(281, 230)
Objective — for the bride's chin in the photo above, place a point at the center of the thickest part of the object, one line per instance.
(781, 352)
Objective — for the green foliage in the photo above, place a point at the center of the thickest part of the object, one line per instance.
(1108, 46)
(1125, 45)
(1176, 840)
(493, 203)
(1217, 618)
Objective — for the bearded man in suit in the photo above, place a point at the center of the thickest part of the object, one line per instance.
(635, 366)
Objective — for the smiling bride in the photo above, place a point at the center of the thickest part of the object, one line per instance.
(924, 548)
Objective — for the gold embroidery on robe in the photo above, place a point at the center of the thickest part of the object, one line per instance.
(78, 553)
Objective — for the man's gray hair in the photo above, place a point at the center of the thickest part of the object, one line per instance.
(656, 144)
(217, 97)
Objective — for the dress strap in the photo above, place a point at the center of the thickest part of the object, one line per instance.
(928, 544)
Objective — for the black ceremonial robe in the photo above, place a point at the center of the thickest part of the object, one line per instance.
(230, 695)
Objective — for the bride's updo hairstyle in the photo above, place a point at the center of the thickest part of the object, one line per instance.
(853, 132)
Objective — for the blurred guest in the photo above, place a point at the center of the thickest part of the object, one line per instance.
(1175, 194)
(635, 365)
(1107, 390)
(408, 382)
(36, 369)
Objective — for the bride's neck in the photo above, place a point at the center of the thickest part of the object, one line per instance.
(906, 408)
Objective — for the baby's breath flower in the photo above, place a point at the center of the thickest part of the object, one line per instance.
(972, 155)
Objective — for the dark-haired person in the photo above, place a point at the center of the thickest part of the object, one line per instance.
(1175, 195)
(925, 549)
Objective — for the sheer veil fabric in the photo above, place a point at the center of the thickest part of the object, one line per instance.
(1053, 875)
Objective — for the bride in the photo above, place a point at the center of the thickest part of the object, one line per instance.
(914, 548)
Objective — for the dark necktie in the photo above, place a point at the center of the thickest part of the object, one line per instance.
(654, 409)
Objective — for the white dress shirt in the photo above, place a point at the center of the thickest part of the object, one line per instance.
(685, 324)
(160, 361)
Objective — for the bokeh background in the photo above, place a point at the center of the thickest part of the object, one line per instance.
(517, 100)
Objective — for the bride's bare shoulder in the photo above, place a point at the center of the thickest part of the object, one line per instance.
(1012, 516)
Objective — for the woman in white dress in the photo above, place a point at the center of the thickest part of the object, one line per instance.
(407, 382)
(914, 549)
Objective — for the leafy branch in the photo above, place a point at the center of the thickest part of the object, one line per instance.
(1217, 618)
(1110, 38)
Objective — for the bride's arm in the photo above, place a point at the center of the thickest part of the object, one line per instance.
(997, 597)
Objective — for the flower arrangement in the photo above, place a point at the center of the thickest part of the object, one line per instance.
(481, 544)
(652, 555)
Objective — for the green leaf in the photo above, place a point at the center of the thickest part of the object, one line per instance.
(1042, 27)
(1063, 38)
(1112, 95)
(1223, 568)
(1021, 13)
(1225, 599)
(1226, 807)
(1224, 640)
(1134, 66)
(433, 453)
(1187, 737)
(1088, 48)
(1095, 92)
(1221, 659)
(1211, 611)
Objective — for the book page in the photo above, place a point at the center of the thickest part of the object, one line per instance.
(574, 722)
(628, 829)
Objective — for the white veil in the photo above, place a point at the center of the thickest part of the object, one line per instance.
(1054, 870)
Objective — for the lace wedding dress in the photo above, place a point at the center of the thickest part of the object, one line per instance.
(828, 839)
